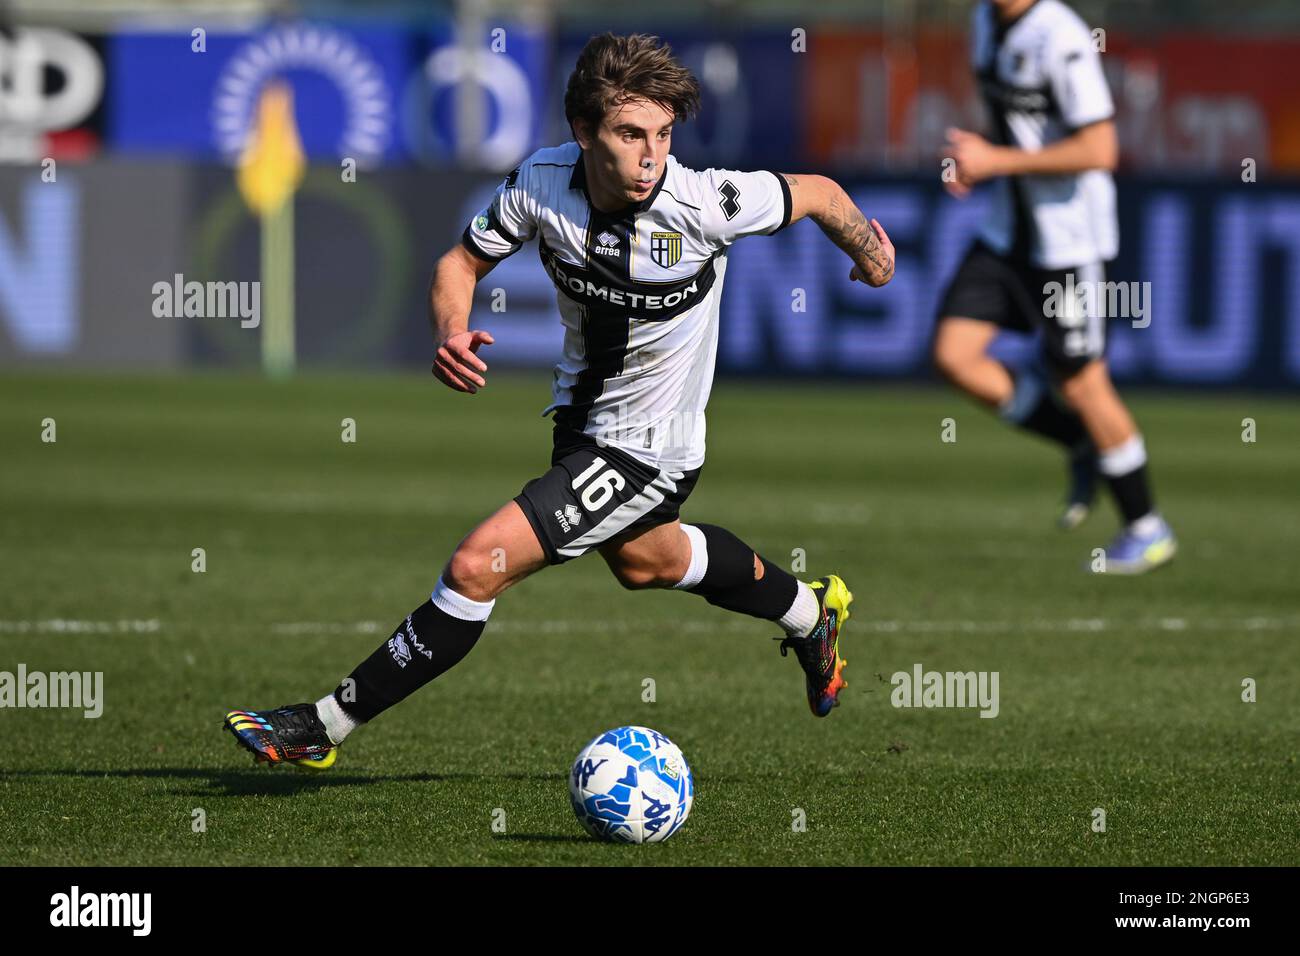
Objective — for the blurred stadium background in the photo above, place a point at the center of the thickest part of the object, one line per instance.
(434, 101)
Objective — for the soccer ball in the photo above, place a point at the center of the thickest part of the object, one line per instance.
(631, 785)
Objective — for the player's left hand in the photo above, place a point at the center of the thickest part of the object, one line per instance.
(884, 269)
(974, 156)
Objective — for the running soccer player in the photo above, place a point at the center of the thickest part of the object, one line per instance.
(1052, 227)
(636, 246)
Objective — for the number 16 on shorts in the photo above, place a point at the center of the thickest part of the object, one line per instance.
(599, 489)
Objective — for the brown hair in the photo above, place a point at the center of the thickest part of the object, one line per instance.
(613, 69)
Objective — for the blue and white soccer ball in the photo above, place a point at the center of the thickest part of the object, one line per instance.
(631, 785)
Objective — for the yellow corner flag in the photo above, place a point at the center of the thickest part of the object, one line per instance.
(272, 164)
(270, 171)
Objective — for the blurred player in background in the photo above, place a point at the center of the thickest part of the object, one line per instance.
(1052, 226)
(636, 246)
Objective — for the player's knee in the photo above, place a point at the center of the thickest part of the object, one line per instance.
(636, 577)
(470, 574)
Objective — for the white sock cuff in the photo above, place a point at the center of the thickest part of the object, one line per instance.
(1123, 458)
(459, 606)
(338, 722)
(803, 614)
(699, 557)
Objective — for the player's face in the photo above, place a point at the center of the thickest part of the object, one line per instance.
(629, 151)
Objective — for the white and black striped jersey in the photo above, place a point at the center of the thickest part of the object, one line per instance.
(1041, 78)
(638, 291)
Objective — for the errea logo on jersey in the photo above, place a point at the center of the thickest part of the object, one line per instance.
(607, 245)
(569, 517)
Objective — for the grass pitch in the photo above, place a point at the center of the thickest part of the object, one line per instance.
(1124, 695)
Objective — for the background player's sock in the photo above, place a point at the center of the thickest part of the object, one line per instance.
(1125, 468)
(724, 575)
(1034, 407)
(434, 638)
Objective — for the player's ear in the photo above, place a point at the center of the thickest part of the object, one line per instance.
(583, 132)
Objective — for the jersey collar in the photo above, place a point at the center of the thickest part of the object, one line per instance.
(579, 181)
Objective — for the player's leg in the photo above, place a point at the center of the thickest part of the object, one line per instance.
(712, 562)
(961, 356)
(986, 295)
(430, 641)
(1146, 540)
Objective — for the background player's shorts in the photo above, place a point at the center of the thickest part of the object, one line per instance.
(593, 493)
(1010, 294)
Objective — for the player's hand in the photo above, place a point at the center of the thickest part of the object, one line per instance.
(882, 260)
(457, 365)
(974, 159)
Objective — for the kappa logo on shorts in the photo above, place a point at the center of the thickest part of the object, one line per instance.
(569, 517)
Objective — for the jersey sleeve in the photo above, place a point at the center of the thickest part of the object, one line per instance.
(509, 220)
(737, 204)
(1077, 79)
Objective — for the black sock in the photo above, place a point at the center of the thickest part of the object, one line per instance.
(429, 642)
(1046, 415)
(1132, 494)
(729, 583)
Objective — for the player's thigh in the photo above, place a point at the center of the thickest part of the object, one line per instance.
(978, 302)
(502, 550)
(656, 556)
(960, 341)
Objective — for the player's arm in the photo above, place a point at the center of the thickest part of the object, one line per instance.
(864, 241)
(1095, 146)
(497, 232)
(450, 295)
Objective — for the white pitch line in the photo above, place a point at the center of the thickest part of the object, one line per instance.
(744, 624)
(735, 625)
(65, 626)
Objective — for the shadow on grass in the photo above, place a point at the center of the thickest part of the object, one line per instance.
(543, 837)
(273, 782)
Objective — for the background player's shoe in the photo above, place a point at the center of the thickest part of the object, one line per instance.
(1138, 549)
(819, 652)
(1082, 490)
(292, 734)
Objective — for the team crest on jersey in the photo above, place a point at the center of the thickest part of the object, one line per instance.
(666, 248)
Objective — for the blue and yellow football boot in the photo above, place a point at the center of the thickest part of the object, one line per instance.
(1143, 546)
(819, 652)
(292, 734)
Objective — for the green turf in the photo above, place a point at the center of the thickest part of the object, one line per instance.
(1119, 694)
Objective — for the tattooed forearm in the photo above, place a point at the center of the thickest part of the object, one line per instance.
(845, 226)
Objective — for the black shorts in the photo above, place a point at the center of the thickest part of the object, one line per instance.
(594, 493)
(1024, 298)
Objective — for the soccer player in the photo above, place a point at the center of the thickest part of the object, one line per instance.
(1051, 229)
(636, 246)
